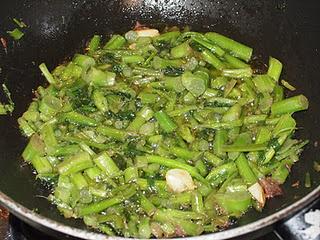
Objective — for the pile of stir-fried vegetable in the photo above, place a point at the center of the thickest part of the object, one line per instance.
(162, 134)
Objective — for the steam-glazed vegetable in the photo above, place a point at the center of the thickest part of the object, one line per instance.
(162, 135)
(179, 180)
(9, 107)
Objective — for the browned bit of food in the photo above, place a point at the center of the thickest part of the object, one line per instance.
(316, 166)
(296, 184)
(4, 43)
(4, 214)
(139, 26)
(271, 187)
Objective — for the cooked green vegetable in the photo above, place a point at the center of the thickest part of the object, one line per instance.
(20, 23)
(275, 68)
(16, 34)
(290, 105)
(237, 49)
(307, 181)
(9, 107)
(316, 166)
(287, 85)
(152, 135)
(94, 44)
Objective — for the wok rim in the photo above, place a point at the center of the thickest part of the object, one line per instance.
(30, 216)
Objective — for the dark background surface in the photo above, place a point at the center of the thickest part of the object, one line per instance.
(287, 30)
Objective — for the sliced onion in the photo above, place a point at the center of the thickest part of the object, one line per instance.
(257, 193)
(156, 230)
(147, 32)
(132, 46)
(179, 180)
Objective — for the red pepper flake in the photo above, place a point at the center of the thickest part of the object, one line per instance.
(296, 184)
(4, 214)
(4, 43)
(139, 26)
(179, 232)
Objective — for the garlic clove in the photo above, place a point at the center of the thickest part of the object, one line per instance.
(179, 180)
(147, 32)
(257, 193)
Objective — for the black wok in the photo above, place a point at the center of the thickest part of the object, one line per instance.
(287, 30)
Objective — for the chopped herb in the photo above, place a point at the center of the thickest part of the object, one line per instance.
(6, 108)
(3, 109)
(316, 166)
(20, 23)
(173, 71)
(287, 85)
(307, 181)
(16, 34)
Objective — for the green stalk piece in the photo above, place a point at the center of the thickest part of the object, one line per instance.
(107, 165)
(207, 44)
(290, 105)
(116, 42)
(100, 206)
(175, 164)
(94, 44)
(219, 174)
(237, 73)
(235, 62)
(212, 59)
(165, 122)
(181, 51)
(35, 147)
(245, 171)
(75, 163)
(114, 133)
(47, 74)
(144, 115)
(79, 119)
(236, 49)
(275, 68)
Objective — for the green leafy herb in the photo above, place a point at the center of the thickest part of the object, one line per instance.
(16, 34)
(6, 108)
(20, 23)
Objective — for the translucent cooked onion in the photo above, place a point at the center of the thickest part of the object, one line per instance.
(147, 32)
(257, 193)
(179, 180)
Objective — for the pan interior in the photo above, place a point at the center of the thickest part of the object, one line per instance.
(287, 30)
